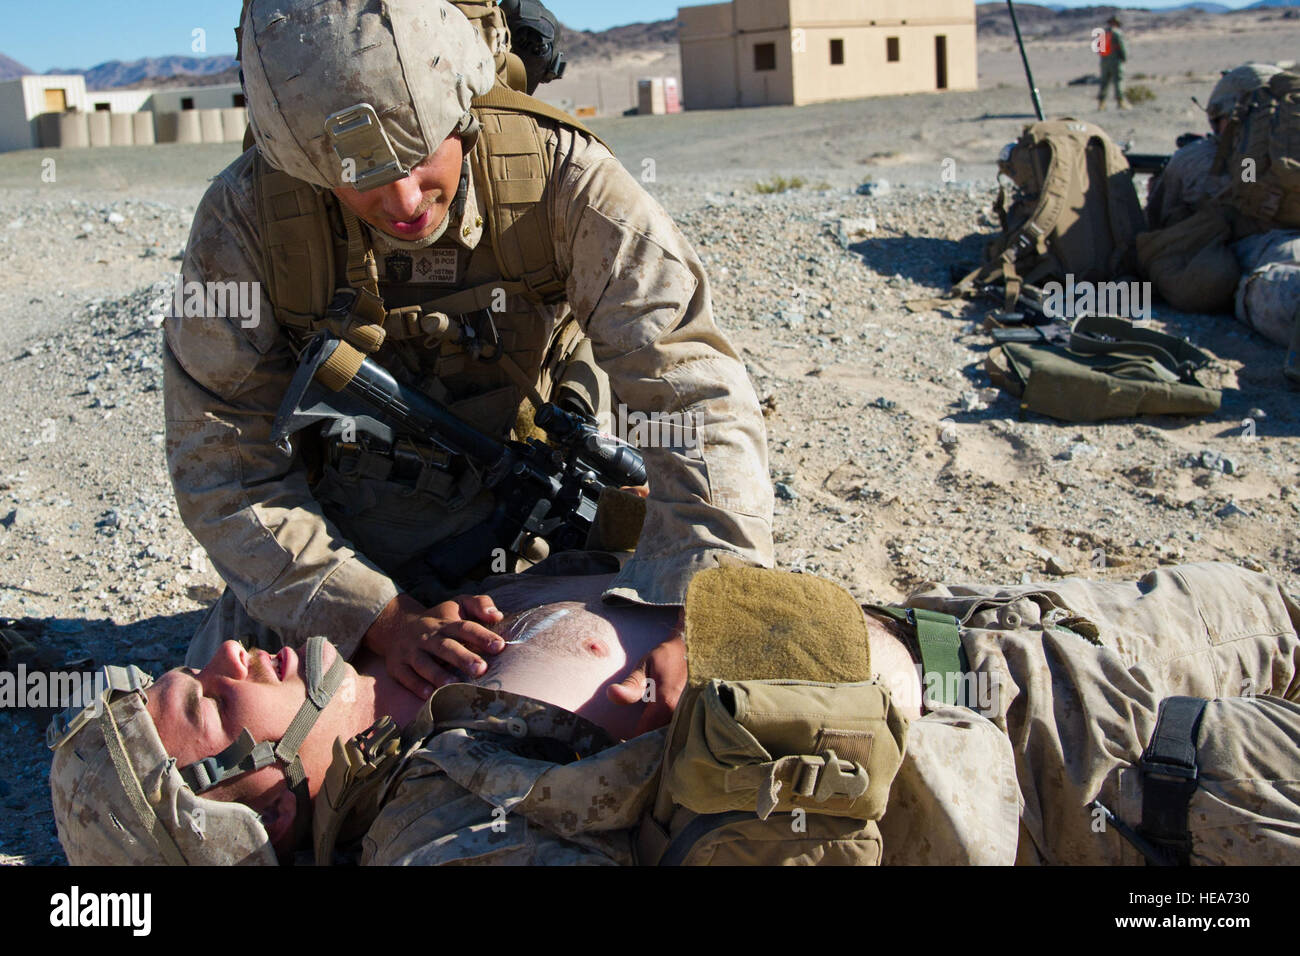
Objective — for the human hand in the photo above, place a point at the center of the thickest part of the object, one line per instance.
(425, 648)
(657, 681)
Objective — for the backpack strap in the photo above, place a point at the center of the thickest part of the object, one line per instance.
(297, 245)
(1105, 335)
(1169, 776)
(512, 166)
(938, 636)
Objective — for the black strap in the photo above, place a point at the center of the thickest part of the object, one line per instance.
(1169, 776)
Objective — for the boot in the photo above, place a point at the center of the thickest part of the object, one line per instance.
(1121, 105)
(1101, 106)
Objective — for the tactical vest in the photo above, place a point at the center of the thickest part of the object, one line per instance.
(1260, 153)
(481, 343)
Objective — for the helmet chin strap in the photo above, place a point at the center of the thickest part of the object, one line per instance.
(246, 755)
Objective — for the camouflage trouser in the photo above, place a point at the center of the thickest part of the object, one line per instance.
(1112, 72)
(1074, 673)
(1268, 297)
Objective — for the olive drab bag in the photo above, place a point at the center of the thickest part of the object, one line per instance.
(1106, 368)
(1075, 211)
(1260, 152)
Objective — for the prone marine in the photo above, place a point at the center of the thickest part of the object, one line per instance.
(1081, 722)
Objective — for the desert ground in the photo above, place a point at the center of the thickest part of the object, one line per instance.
(893, 461)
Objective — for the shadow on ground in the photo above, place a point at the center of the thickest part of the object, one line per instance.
(64, 646)
(925, 260)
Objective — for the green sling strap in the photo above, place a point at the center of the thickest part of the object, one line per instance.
(939, 638)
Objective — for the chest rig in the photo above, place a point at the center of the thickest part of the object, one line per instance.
(485, 332)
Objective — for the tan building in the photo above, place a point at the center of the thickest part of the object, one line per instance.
(792, 52)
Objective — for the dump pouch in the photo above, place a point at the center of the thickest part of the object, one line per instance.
(1094, 388)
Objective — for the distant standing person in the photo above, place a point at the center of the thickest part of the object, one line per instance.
(1113, 52)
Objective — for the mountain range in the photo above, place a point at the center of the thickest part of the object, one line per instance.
(1036, 21)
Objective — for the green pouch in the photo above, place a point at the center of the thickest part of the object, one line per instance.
(765, 746)
(1091, 388)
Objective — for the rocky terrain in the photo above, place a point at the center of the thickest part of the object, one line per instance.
(893, 460)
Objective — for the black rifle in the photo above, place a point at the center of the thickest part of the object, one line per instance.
(1152, 163)
(541, 491)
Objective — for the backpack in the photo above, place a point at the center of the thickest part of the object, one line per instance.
(1260, 151)
(1076, 211)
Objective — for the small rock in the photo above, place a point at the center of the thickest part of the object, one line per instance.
(851, 231)
(1216, 461)
(887, 404)
(875, 187)
(1055, 566)
(197, 560)
(1230, 509)
(791, 319)
(116, 218)
(1257, 413)
(785, 492)
(1080, 449)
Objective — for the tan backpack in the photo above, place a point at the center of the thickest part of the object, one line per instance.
(1076, 211)
(1260, 151)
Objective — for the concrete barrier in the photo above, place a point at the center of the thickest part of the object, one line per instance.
(142, 128)
(182, 127)
(120, 129)
(101, 128)
(234, 119)
(210, 126)
(62, 130)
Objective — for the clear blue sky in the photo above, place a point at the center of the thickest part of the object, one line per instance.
(44, 34)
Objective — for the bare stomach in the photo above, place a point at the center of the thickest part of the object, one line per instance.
(564, 646)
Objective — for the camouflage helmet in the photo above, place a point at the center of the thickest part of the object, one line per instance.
(119, 799)
(357, 92)
(1237, 83)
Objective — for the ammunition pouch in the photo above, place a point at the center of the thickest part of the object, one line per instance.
(778, 772)
(781, 750)
(425, 469)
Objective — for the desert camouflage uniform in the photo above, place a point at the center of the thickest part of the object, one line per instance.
(1076, 673)
(1184, 184)
(303, 559)
(1268, 295)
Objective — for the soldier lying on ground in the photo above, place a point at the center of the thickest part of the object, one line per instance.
(1269, 259)
(1067, 684)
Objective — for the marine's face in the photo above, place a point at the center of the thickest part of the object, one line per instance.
(200, 713)
(412, 208)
